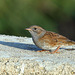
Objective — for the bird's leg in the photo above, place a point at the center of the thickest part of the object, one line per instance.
(42, 50)
(55, 50)
(51, 52)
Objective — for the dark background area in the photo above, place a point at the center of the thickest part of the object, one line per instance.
(53, 15)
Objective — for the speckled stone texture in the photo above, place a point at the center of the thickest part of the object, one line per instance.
(18, 56)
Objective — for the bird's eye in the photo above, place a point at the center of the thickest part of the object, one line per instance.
(35, 28)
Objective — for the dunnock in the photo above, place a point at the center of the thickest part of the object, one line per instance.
(48, 40)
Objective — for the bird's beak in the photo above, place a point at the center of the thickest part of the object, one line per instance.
(28, 29)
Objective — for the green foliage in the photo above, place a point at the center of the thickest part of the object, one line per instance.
(16, 15)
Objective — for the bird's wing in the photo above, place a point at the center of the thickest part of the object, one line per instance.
(56, 38)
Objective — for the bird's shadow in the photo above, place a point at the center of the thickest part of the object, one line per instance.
(20, 45)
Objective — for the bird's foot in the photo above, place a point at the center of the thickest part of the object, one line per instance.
(42, 50)
(49, 50)
(55, 51)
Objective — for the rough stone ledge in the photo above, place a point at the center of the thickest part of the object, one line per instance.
(18, 56)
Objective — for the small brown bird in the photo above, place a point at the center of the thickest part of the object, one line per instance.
(48, 40)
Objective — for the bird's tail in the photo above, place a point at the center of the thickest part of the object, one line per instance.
(71, 47)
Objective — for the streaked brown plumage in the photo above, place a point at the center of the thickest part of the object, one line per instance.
(48, 40)
(56, 39)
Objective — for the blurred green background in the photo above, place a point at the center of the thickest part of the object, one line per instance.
(54, 15)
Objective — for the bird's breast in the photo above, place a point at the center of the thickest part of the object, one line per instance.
(44, 44)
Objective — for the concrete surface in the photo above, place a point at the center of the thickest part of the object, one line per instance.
(18, 56)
